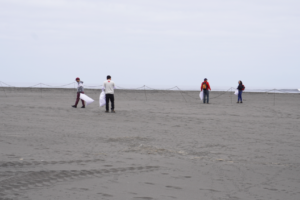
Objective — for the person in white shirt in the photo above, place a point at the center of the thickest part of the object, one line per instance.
(109, 87)
(80, 89)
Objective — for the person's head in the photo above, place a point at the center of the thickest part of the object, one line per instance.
(77, 79)
(205, 79)
(240, 82)
(108, 77)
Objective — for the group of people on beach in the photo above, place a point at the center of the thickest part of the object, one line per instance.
(205, 87)
(109, 87)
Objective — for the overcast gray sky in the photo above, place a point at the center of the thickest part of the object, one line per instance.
(157, 43)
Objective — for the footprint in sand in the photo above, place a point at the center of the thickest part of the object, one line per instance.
(149, 183)
(173, 187)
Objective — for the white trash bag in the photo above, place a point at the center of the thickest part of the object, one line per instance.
(236, 92)
(102, 100)
(86, 99)
(201, 95)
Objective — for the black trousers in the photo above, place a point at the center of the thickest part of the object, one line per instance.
(111, 98)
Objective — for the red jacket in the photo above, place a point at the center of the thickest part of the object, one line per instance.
(207, 84)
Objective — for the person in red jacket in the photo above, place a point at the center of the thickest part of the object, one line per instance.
(205, 87)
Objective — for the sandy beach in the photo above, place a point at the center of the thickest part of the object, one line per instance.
(159, 145)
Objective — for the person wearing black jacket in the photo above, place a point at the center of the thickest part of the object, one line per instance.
(241, 88)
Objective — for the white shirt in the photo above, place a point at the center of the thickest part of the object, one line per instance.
(109, 87)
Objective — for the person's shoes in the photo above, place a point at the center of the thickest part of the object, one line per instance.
(241, 102)
(83, 107)
(113, 111)
(74, 106)
(237, 102)
(106, 111)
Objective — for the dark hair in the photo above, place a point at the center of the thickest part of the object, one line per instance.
(241, 82)
(108, 77)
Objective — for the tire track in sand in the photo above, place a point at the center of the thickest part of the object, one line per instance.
(16, 182)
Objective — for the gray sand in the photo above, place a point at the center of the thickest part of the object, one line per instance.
(168, 147)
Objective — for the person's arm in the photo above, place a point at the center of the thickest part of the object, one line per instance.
(103, 87)
(201, 86)
(208, 86)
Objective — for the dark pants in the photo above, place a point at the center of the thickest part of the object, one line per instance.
(78, 97)
(111, 98)
(240, 95)
(205, 94)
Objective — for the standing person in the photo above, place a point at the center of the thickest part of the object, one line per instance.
(109, 87)
(205, 87)
(241, 88)
(80, 90)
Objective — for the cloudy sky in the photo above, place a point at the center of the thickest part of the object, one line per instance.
(157, 43)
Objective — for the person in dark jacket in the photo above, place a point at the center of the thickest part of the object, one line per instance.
(80, 90)
(205, 87)
(241, 88)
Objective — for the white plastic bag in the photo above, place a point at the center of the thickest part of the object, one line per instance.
(236, 92)
(201, 95)
(86, 99)
(102, 100)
